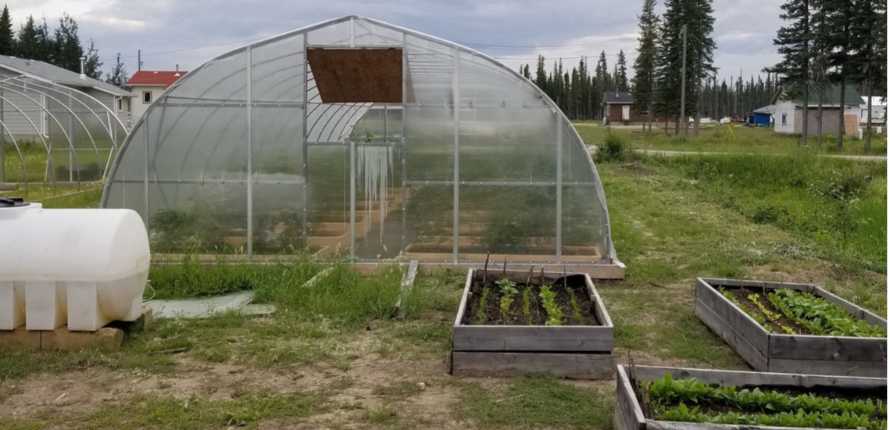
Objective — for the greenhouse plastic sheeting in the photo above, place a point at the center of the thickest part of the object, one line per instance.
(243, 155)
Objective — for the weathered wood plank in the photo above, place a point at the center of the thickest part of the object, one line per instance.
(405, 288)
(738, 320)
(599, 310)
(831, 348)
(574, 366)
(533, 338)
(754, 357)
(829, 367)
(673, 425)
(628, 414)
(750, 283)
(740, 378)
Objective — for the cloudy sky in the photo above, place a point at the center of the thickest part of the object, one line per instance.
(188, 32)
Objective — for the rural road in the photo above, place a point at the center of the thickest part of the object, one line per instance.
(674, 153)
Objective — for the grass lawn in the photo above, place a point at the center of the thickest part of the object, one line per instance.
(729, 138)
(333, 356)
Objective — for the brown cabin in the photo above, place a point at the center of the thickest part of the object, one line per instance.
(618, 108)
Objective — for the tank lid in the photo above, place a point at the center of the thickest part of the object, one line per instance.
(12, 202)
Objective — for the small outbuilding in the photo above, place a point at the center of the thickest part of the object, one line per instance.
(789, 111)
(618, 107)
(761, 117)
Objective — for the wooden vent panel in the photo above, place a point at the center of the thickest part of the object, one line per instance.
(367, 75)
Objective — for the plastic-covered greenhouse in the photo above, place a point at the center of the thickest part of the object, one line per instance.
(360, 138)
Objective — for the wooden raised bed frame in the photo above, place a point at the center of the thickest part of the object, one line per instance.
(570, 351)
(629, 414)
(774, 352)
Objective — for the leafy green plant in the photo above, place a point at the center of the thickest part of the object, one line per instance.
(527, 303)
(481, 316)
(819, 316)
(576, 309)
(508, 294)
(548, 300)
(690, 400)
(773, 317)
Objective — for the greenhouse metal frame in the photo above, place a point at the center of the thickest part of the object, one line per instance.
(360, 138)
(75, 130)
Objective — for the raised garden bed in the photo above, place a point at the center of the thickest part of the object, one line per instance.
(527, 322)
(669, 398)
(798, 328)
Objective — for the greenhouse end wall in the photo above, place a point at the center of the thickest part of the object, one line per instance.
(256, 153)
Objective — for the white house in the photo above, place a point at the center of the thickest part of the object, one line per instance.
(147, 85)
(789, 111)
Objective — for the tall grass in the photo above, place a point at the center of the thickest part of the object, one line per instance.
(839, 204)
(340, 294)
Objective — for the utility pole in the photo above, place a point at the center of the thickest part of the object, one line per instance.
(683, 85)
(139, 61)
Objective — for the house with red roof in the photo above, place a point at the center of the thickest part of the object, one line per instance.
(147, 85)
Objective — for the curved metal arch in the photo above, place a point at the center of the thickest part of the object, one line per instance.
(112, 115)
(36, 132)
(51, 115)
(71, 112)
(43, 89)
(23, 175)
(460, 48)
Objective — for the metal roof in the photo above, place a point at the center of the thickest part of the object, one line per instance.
(618, 97)
(157, 78)
(45, 71)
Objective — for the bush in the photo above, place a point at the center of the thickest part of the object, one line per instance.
(615, 149)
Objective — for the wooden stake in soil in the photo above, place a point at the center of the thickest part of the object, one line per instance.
(485, 269)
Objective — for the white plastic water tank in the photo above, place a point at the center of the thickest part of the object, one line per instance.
(86, 267)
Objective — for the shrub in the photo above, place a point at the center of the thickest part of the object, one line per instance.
(615, 149)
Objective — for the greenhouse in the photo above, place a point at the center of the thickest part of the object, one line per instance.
(358, 138)
(56, 133)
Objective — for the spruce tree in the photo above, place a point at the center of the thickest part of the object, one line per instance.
(621, 73)
(644, 64)
(28, 45)
(46, 44)
(118, 75)
(838, 16)
(868, 37)
(602, 73)
(793, 41)
(92, 65)
(68, 50)
(7, 41)
(697, 16)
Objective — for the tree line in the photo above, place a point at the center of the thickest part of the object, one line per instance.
(579, 91)
(656, 84)
(60, 46)
(833, 42)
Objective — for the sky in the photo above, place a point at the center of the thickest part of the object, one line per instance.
(189, 32)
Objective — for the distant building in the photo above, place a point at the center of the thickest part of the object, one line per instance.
(148, 85)
(618, 108)
(789, 111)
(878, 110)
(21, 121)
(761, 117)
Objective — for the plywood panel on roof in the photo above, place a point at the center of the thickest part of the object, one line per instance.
(365, 75)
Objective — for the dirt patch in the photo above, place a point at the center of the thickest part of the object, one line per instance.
(351, 392)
